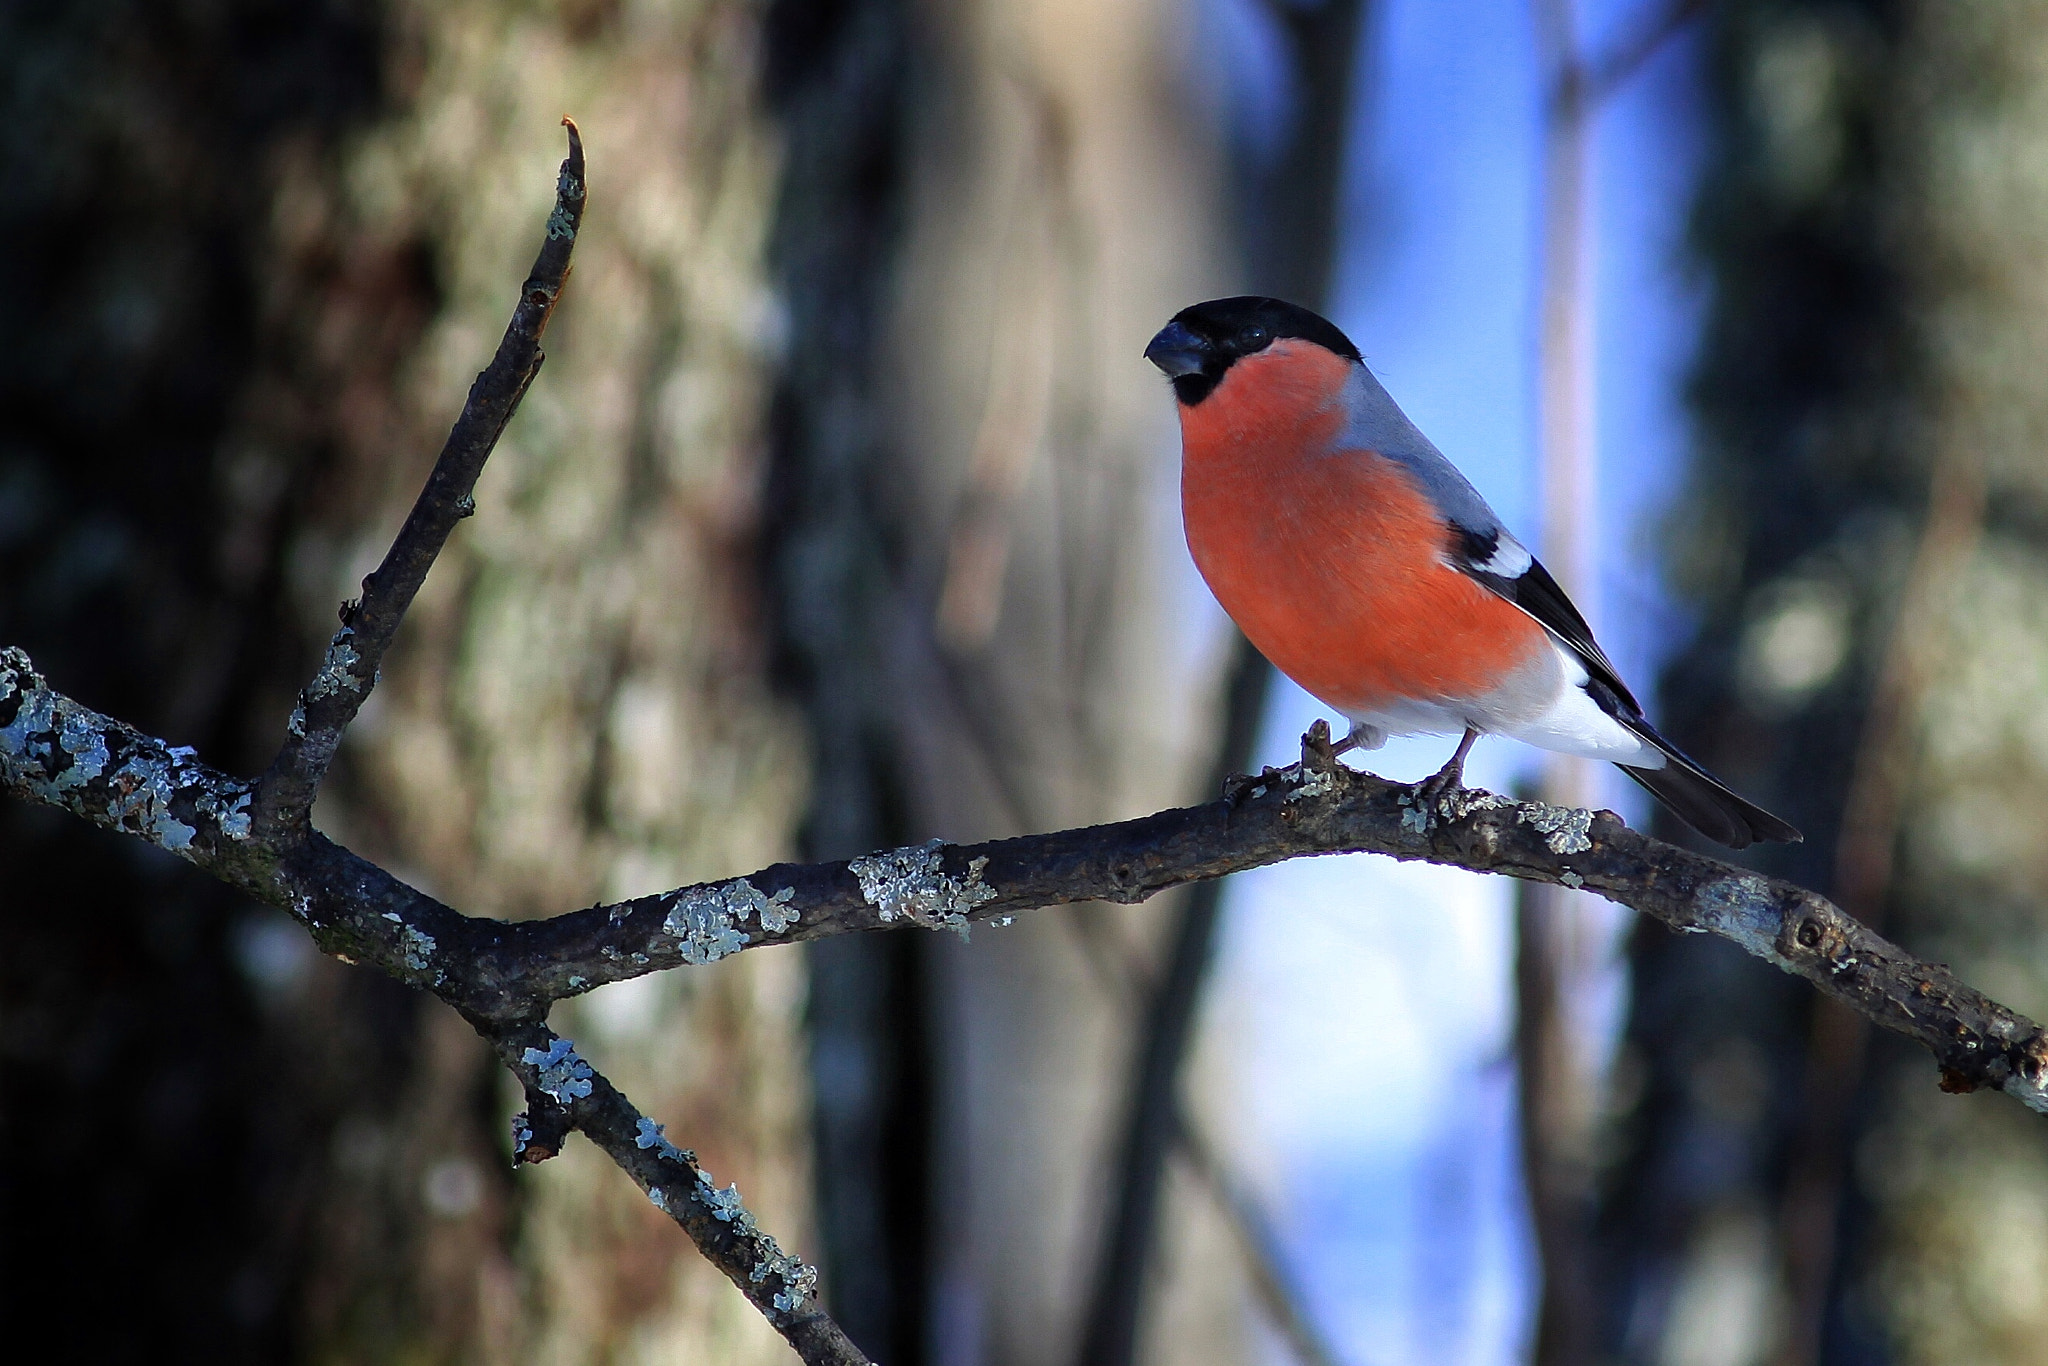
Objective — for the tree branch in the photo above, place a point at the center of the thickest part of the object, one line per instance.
(778, 1284)
(504, 976)
(284, 795)
(55, 751)
(259, 837)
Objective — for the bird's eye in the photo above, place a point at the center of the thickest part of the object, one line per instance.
(1254, 338)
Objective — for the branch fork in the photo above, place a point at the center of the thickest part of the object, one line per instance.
(504, 976)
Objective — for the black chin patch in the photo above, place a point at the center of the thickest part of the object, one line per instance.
(1192, 389)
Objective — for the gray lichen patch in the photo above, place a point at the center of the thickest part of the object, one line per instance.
(1421, 814)
(1311, 782)
(1566, 829)
(648, 1134)
(229, 809)
(1740, 907)
(53, 750)
(707, 919)
(87, 748)
(335, 676)
(563, 1075)
(725, 1204)
(912, 884)
(799, 1281)
(1461, 802)
(1415, 815)
(560, 224)
(415, 946)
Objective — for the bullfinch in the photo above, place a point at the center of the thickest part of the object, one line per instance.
(1368, 570)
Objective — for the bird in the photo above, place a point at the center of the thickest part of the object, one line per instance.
(1356, 558)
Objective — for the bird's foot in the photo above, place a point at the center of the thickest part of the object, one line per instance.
(1440, 784)
(1450, 778)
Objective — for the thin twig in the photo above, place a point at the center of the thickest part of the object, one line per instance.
(779, 1285)
(336, 693)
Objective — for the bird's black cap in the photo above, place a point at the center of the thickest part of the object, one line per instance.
(1204, 340)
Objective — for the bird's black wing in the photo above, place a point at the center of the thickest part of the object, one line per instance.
(1694, 795)
(1479, 555)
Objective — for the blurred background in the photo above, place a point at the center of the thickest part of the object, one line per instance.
(843, 516)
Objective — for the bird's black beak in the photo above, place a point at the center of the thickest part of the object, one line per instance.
(1178, 351)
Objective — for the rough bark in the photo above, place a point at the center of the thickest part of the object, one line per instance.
(270, 245)
(579, 706)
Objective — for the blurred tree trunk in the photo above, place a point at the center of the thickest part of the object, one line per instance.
(1050, 659)
(263, 249)
(268, 246)
(986, 212)
(837, 81)
(1865, 543)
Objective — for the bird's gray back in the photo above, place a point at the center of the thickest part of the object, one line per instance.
(1378, 424)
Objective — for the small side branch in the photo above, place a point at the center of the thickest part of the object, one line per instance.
(328, 703)
(576, 1095)
(54, 751)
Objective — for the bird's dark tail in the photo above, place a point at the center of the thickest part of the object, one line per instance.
(1703, 801)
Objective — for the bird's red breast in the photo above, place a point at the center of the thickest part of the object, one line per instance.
(1332, 559)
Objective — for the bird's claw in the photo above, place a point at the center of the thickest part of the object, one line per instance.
(1432, 790)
